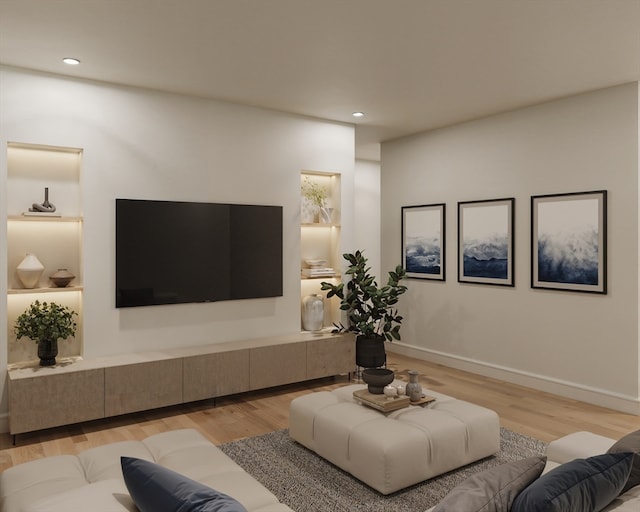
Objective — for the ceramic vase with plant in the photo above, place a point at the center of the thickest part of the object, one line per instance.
(317, 195)
(46, 323)
(370, 308)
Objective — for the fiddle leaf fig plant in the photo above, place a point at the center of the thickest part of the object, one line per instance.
(370, 308)
(46, 321)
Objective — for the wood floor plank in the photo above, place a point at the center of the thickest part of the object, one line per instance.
(534, 413)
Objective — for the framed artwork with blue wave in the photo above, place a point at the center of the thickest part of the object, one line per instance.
(569, 241)
(485, 241)
(423, 241)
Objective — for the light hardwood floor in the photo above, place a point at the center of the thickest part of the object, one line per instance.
(533, 413)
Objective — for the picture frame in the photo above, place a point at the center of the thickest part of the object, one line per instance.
(486, 241)
(569, 241)
(423, 241)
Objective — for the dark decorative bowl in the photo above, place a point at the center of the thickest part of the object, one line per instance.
(377, 379)
(62, 277)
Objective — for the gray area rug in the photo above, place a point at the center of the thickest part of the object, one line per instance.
(308, 483)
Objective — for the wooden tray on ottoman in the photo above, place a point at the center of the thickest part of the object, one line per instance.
(381, 402)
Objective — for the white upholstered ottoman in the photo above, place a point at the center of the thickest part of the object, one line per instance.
(391, 451)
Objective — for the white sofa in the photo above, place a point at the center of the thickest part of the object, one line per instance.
(579, 445)
(93, 479)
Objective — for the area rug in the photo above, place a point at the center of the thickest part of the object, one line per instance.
(308, 483)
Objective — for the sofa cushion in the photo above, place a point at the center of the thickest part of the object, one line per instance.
(103, 496)
(582, 485)
(494, 489)
(630, 443)
(155, 488)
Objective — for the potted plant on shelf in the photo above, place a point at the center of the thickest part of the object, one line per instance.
(370, 308)
(45, 323)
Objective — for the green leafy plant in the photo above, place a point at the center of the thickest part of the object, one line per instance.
(314, 192)
(46, 321)
(370, 308)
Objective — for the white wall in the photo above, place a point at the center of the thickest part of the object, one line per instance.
(367, 214)
(151, 145)
(576, 344)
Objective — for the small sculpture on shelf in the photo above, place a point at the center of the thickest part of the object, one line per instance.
(46, 206)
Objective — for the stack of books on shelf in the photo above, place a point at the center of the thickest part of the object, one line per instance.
(318, 272)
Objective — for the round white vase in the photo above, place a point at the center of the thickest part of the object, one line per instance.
(29, 271)
(312, 312)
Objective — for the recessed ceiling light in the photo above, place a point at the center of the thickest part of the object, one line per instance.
(358, 114)
(71, 61)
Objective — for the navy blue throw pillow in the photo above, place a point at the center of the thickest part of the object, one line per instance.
(582, 485)
(155, 488)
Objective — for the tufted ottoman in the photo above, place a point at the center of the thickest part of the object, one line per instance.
(391, 451)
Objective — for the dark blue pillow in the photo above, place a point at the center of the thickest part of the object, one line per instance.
(630, 443)
(582, 485)
(155, 488)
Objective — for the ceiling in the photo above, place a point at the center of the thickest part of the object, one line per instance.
(410, 65)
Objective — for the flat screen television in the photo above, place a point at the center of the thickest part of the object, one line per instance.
(171, 252)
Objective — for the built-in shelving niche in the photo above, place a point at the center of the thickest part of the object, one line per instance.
(56, 239)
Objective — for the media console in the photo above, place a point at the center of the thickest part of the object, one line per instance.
(77, 390)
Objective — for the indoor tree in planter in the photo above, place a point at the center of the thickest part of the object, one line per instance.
(370, 308)
(46, 323)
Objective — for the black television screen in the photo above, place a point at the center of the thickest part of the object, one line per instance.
(170, 252)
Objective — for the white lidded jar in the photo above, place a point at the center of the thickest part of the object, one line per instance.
(312, 312)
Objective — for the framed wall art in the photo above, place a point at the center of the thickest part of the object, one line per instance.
(569, 241)
(423, 241)
(485, 241)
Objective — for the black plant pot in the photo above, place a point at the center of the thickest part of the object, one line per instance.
(370, 352)
(47, 352)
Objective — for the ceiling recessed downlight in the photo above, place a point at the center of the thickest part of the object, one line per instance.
(71, 61)
(358, 114)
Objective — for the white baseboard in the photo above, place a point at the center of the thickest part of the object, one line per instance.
(595, 396)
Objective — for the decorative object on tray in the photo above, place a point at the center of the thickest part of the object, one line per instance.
(29, 271)
(390, 392)
(414, 388)
(370, 309)
(312, 312)
(45, 323)
(377, 379)
(46, 206)
(381, 402)
(62, 277)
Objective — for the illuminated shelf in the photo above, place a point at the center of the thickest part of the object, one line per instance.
(17, 291)
(319, 225)
(331, 276)
(40, 218)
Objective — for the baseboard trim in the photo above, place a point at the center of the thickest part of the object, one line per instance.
(595, 396)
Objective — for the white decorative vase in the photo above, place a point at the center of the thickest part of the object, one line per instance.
(29, 271)
(312, 312)
(325, 215)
